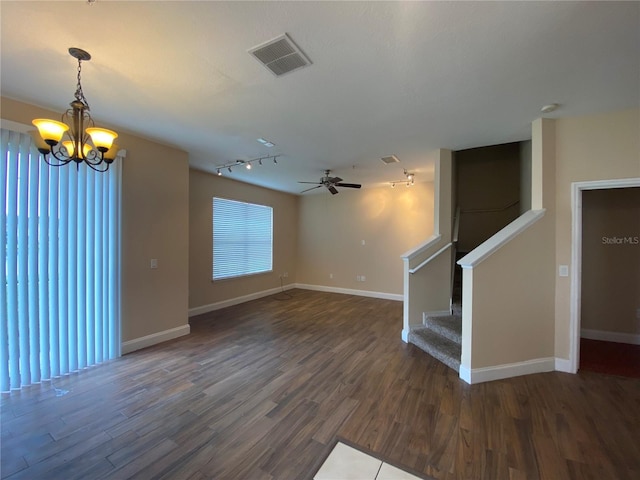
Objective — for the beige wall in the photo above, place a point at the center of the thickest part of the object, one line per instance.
(202, 188)
(487, 178)
(154, 225)
(332, 228)
(595, 147)
(611, 260)
(511, 318)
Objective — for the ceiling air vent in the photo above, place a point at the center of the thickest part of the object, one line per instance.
(390, 159)
(280, 55)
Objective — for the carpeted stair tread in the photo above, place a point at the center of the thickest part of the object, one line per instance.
(449, 326)
(437, 346)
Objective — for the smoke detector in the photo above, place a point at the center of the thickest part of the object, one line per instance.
(550, 108)
(280, 55)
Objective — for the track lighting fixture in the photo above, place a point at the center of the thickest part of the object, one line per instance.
(248, 164)
(410, 179)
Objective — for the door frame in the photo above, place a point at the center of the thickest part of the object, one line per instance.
(576, 257)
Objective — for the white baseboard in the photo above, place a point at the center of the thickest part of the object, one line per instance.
(564, 365)
(237, 300)
(348, 291)
(149, 340)
(265, 293)
(618, 337)
(498, 372)
(405, 335)
(465, 374)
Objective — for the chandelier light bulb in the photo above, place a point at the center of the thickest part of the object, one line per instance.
(248, 166)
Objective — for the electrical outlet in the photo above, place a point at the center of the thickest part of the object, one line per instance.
(331, 276)
(362, 278)
(154, 263)
(285, 274)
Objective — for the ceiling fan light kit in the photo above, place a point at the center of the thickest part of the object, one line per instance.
(330, 183)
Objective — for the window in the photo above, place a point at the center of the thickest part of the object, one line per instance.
(60, 292)
(242, 238)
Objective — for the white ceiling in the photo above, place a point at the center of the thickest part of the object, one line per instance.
(403, 78)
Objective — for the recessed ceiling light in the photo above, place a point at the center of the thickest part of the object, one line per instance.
(549, 108)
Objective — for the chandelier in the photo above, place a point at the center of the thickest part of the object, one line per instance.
(76, 138)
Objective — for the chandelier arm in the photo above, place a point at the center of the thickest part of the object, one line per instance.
(62, 161)
(94, 157)
(94, 166)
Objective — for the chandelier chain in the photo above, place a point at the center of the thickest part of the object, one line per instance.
(79, 95)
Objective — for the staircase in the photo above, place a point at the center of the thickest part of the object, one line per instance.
(441, 335)
(441, 338)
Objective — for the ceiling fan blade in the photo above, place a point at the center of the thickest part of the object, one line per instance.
(348, 185)
(312, 188)
(332, 189)
(313, 183)
(334, 179)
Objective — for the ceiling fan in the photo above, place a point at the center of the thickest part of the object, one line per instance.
(331, 183)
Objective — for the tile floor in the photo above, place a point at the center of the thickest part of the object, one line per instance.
(347, 463)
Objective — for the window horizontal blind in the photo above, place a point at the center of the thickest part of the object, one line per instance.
(60, 289)
(242, 238)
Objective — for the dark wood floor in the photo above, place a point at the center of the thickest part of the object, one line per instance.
(263, 389)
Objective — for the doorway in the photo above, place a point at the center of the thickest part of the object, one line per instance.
(578, 285)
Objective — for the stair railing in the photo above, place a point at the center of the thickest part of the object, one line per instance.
(486, 210)
(454, 242)
(431, 258)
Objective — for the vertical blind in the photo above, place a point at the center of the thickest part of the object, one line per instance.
(60, 288)
(242, 238)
